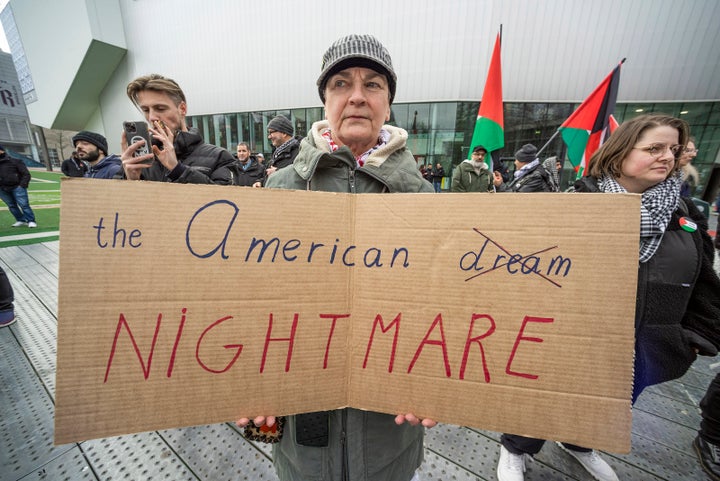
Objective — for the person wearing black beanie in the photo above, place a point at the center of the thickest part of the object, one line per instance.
(91, 137)
(93, 149)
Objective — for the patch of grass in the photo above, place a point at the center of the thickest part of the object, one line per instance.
(44, 190)
(46, 219)
(38, 175)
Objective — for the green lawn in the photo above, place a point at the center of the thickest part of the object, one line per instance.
(44, 193)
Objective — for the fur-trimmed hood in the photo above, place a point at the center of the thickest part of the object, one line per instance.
(392, 166)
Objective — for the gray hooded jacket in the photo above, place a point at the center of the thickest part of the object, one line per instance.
(362, 445)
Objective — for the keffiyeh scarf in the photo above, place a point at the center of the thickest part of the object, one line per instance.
(657, 205)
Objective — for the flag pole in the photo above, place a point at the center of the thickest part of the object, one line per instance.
(548, 142)
(557, 131)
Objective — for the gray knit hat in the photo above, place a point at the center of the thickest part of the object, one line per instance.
(527, 153)
(357, 51)
(281, 124)
(96, 139)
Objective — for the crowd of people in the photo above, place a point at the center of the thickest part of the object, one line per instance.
(354, 150)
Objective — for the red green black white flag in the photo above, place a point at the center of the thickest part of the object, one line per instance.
(592, 123)
(489, 127)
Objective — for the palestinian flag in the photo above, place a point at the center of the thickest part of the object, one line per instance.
(489, 127)
(592, 123)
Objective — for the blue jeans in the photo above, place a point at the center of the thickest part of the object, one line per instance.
(18, 204)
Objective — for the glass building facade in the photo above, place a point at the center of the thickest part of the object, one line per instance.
(440, 132)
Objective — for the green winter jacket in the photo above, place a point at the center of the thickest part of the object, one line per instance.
(362, 445)
(465, 179)
(390, 169)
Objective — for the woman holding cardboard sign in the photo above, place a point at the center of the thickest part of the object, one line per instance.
(677, 313)
(352, 151)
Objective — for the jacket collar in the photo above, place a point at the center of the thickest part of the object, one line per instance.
(186, 142)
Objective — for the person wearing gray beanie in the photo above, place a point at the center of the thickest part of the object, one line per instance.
(281, 124)
(527, 153)
(352, 150)
(357, 51)
(530, 175)
(286, 147)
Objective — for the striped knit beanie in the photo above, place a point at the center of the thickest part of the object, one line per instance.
(357, 51)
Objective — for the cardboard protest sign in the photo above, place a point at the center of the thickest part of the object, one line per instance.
(184, 304)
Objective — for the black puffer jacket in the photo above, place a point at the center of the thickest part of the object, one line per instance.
(255, 172)
(678, 300)
(198, 163)
(13, 173)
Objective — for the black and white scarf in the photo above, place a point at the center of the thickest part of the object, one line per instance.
(657, 205)
(287, 145)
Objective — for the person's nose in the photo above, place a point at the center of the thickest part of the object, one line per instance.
(357, 94)
(152, 116)
(668, 156)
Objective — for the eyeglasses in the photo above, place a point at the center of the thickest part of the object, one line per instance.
(656, 150)
(690, 151)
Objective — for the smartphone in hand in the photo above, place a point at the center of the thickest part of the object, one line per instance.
(136, 131)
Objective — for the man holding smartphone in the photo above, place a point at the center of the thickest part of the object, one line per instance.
(179, 154)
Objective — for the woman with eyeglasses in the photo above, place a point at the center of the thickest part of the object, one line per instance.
(678, 297)
(677, 314)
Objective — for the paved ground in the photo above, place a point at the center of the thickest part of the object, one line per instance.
(665, 419)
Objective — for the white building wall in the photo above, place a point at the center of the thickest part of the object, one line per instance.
(56, 36)
(245, 55)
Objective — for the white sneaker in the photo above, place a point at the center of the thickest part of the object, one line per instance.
(593, 464)
(19, 223)
(511, 467)
(32, 224)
